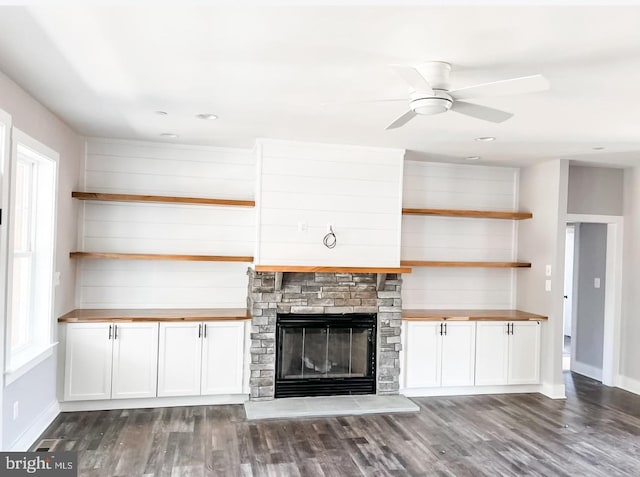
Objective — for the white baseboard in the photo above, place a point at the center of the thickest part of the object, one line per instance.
(628, 384)
(470, 390)
(587, 370)
(145, 403)
(553, 391)
(29, 436)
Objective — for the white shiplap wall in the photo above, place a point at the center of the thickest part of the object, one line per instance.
(162, 169)
(304, 187)
(454, 186)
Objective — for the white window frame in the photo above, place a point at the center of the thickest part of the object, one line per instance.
(5, 154)
(17, 364)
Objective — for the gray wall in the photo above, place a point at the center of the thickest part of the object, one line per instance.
(591, 253)
(630, 353)
(36, 390)
(543, 191)
(595, 190)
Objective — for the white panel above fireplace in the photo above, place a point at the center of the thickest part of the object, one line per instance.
(304, 187)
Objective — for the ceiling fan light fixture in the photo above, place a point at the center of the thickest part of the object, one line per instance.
(473, 158)
(427, 105)
(485, 138)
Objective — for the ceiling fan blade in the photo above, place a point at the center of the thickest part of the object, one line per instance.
(368, 101)
(526, 84)
(414, 78)
(402, 120)
(480, 112)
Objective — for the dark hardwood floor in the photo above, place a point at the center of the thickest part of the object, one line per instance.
(596, 431)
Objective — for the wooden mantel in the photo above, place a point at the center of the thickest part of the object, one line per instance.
(381, 272)
(323, 269)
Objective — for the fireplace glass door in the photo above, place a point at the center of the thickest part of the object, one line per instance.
(325, 354)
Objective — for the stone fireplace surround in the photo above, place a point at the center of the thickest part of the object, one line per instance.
(271, 293)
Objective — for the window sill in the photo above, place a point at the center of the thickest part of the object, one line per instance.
(22, 364)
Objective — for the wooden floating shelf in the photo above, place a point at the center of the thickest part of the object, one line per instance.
(160, 198)
(159, 256)
(320, 269)
(480, 214)
(155, 314)
(430, 263)
(470, 315)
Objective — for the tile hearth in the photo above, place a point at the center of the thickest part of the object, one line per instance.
(327, 406)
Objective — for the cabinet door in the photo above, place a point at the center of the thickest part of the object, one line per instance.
(179, 359)
(458, 353)
(423, 354)
(135, 360)
(492, 353)
(87, 366)
(222, 357)
(524, 353)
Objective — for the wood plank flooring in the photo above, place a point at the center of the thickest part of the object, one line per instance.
(596, 431)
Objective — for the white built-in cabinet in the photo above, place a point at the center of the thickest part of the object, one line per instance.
(200, 358)
(110, 361)
(440, 354)
(469, 353)
(508, 353)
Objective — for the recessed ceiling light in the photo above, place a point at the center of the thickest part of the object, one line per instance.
(598, 148)
(209, 116)
(473, 158)
(171, 135)
(161, 113)
(486, 138)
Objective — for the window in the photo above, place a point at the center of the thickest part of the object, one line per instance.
(31, 250)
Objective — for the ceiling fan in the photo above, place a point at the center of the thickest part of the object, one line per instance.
(430, 93)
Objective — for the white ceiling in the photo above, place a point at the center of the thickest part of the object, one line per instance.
(286, 72)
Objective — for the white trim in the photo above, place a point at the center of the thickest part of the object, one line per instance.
(258, 203)
(612, 304)
(36, 146)
(553, 391)
(398, 256)
(5, 156)
(628, 384)
(587, 370)
(613, 291)
(50, 158)
(20, 369)
(595, 219)
(35, 430)
(471, 390)
(515, 231)
(145, 403)
(574, 293)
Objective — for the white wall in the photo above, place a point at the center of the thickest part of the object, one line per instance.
(630, 332)
(308, 186)
(541, 240)
(454, 186)
(35, 394)
(164, 169)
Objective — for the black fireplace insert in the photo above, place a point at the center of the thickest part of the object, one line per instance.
(325, 355)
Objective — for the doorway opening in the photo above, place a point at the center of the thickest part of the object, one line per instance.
(585, 295)
(567, 315)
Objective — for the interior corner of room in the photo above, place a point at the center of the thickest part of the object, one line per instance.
(171, 272)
